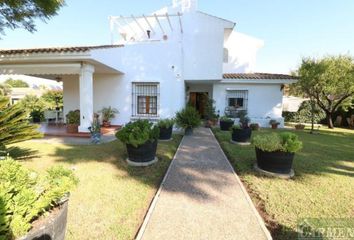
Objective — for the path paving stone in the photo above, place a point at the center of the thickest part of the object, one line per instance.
(202, 198)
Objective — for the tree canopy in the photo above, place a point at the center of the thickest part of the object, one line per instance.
(16, 83)
(329, 81)
(22, 13)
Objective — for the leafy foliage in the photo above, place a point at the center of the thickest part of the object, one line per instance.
(304, 114)
(34, 105)
(14, 126)
(108, 113)
(16, 83)
(53, 99)
(24, 195)
(226, 119)
(210, 112)
(328, 81)
(254, 126)
(22, 13)
(273, 122)
(166, 123)
(138, 132)
(73, 117)
(188, 117)
(244, 120)
(236, 127)
(284, 141)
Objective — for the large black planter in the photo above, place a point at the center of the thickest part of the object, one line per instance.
(241, 135)
(226, 125)
(165, 133)
(275, 162)
(143, 154)
(188, 131)
(53, 228)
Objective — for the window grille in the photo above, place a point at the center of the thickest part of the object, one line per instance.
(145, 99)
(236, 100)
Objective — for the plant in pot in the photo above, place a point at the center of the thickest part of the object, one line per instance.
(95, 130)
(241, 133)
(210, 113)
(108, 113)
(299, 122)
(274, 123)
(140, 138)
(33, 205)
(254, 126)
(165, 126)
(188, 118)
(226, 123)
(73, 121)
(275, 151)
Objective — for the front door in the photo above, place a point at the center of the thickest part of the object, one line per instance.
(198, 100)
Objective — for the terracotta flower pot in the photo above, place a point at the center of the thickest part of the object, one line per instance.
(106, 123)
(72, 128)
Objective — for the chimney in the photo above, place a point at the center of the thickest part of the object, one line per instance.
(186, 5)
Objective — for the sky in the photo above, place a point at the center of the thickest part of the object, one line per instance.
(290, 30)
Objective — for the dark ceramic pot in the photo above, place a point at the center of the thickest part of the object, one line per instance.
(241, 135)
(143, 153)
(275, 162)
(165, 133)
(53, 228)
(188, 131)
(226, 125)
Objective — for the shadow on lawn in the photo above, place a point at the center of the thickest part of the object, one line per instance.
(18, 153)
(115, 154)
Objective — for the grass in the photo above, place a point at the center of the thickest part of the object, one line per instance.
(323, 185)
(112, 198)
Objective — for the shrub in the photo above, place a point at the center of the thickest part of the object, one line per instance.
(210, 112)
(16, 83)
(226, 119)
(273, 122)
(236, 127)
(34, 105)
(73, 117)
(138, 132)
(254, 126)
(53, 99)
(108, 113)
(285, 142)
(244, 120)
(25, 195)
(188, 117)
(166, 123)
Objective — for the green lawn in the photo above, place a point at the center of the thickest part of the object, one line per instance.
(323, 186)
(112, 198)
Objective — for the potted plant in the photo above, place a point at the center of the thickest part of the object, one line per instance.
(274, 123)
(241, 133)
(275, 151)
(95, 130)
(299, 126)
(165, 126)
(73, 121)
(108, 113)
(254, 126)
(34, 205)
(37, 116)
(226, 123)
(210, 113)
(188, 118)
(140, 138)
(299, 119)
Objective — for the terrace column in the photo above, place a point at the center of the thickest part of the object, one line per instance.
(86, 97)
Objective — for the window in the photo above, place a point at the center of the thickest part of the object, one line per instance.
(236, 100)
(145, 99)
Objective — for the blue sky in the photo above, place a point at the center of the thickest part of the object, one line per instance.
(290, 29)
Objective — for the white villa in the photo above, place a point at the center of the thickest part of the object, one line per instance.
(155, 65)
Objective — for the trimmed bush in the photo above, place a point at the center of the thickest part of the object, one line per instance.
(284, 142)
(25, 195)
(138, 133)
(166, 123)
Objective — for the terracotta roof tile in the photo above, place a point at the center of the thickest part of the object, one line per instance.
(55, 49)
(257, 76)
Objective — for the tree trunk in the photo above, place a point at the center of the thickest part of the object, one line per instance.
(329, 120)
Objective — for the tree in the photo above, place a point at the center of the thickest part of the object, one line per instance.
(328, 81)
(22, 13)
(14, 126)
(16, 83)
(35, 107)
(53, 99)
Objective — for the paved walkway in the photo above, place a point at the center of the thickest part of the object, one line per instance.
(202, 198)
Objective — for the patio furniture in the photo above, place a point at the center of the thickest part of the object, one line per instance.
(53, 115)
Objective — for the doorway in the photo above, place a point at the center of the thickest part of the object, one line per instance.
(198, 101)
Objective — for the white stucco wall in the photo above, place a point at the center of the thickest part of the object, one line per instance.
(264, 101)
(71, 97)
